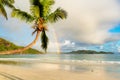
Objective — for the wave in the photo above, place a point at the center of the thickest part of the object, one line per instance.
(92, 62)
(58, 61)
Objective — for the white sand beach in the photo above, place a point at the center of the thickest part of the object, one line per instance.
(46, 71)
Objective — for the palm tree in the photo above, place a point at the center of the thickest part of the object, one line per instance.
(41, 14)
(7, 3)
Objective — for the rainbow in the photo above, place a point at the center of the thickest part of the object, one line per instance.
(57, 45)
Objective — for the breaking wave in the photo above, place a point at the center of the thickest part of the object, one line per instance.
(58, 61)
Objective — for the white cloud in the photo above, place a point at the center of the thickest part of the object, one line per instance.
(24, 5)
(88, 20)
(101, 47)
(82, 48)
(118, 49)
(68, 43)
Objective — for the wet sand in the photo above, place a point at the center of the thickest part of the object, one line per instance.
(47, 71)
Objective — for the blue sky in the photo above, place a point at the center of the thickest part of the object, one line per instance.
(91, 24)
(116, 29)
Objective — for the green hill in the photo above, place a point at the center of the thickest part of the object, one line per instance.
(6, 45)
(90, 52)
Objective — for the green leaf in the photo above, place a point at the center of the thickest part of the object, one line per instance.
(8, 3)
(2, 11)
(56, 15)
(37, 3)
(34, 2)
(0, 1)
(44, 40)
(43, 7)
(47, 2)
(22, 15)
(47, 7)
(35, 11)
(11, 1)
(5, 3)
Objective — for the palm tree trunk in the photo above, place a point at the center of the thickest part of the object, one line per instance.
(22, 49)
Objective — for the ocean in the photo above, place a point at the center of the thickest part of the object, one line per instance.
(79, 58)
(69, 62)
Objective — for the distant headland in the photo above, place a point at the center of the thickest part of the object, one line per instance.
(89, 52)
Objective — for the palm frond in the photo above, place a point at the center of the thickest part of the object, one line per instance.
(46, 7)
(2, 11)
(11, 1)
(39, 7)
(34, 31)
(35, 11)
(56, 15)
(22, 15)
(0, 1)
(34, 2)
(44, 40)
(8, 3)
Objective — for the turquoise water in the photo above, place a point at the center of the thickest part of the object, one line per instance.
(71, 57)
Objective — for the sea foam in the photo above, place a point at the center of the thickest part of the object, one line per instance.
(61, 61)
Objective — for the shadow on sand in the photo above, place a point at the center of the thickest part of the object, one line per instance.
(10, 77)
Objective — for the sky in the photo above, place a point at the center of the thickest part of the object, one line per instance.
(91, 25)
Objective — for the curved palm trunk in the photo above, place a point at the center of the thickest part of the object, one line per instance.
(22, 49)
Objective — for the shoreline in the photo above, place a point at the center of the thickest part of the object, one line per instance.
(66, 62)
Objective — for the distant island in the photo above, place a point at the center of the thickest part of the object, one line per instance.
(89, 52)
(6, 45)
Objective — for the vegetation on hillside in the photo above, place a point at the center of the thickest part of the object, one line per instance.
(90, 52)
(6, 45)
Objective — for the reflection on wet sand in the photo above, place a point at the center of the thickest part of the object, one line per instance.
(47, 71)
(25, 70)
(19, 63)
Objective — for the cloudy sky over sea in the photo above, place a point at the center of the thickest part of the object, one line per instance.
(91, 24)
